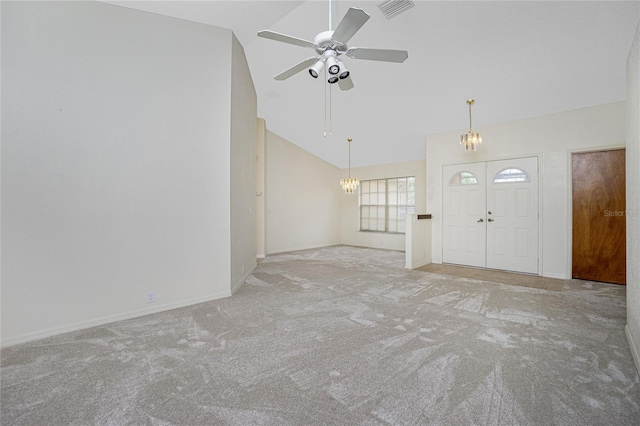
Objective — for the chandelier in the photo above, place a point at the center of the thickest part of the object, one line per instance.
(472, 139)
(349, 184)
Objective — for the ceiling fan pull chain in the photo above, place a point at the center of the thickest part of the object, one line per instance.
(330, 112)
(325, 106)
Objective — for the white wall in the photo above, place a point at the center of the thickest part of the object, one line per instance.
(350, 234)
(302, 198)
(116, 182)
(261, 205)
(633, 198)
(554, 137)
(417, 242)
(243, 167)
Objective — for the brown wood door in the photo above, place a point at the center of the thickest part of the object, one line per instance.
(599, 222)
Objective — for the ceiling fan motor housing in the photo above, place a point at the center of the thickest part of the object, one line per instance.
(324, 41)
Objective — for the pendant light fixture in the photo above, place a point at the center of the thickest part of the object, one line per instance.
(349, 184)
(472, 139)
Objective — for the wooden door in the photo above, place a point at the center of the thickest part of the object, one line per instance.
(512, 215)
(599, 223)
(464, 231)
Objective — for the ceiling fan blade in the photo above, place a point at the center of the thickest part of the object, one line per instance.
(385, 55)
(285, 38)
(350, 24)
(295, 69)
(345, 83)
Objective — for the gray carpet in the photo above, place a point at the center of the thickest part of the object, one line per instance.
(342, 336)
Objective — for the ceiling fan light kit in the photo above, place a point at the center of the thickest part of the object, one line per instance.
(315, 69)
(344, 72)
(332, 62)
(329, 45)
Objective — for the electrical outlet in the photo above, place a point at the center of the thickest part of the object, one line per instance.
(151, 297)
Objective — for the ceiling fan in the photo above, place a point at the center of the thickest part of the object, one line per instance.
(329, 45)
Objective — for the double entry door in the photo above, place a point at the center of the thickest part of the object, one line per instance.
(490, 214)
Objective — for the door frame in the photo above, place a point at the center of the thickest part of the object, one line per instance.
(569, 266)
(540, 171)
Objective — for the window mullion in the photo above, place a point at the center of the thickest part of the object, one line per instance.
(386, 205)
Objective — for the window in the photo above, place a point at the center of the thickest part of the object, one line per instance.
(384, 203)
(463, 178)
(510, 175)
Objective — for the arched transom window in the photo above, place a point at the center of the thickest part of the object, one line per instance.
(511, 175)
(463, 178)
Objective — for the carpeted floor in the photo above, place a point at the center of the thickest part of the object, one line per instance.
(342, 336)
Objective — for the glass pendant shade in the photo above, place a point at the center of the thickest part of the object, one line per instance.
(470, 140)
(349, 184)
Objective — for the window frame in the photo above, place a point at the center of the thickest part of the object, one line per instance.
(463, 178)
(392, 225)
(502, 177)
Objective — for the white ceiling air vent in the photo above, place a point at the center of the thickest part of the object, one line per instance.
(391, 8)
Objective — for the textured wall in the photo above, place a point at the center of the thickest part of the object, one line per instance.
(115, 165)
(261, 232)
(302, 198)
(243, 167)
(633, 198)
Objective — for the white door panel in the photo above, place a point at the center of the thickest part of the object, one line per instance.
(512, 225)
(464, 202)
(491, 219)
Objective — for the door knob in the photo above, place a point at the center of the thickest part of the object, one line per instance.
(489, 212)
(490, 220)
(481, 220)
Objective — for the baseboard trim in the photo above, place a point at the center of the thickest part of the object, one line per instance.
(237, 285)
(300, 248)
(24, 338)
(634, 348)
(556, 276)
(417, 265)
(260, 256)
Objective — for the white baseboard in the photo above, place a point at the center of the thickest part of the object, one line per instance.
(634, 349)
(260, 256)
(110, 318)
(553, 275)
(237, 285)
(299, 248)
(417, 265)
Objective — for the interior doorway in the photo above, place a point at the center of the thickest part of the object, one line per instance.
(490, 214)
(599, 222)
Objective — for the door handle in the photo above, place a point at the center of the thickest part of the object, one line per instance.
(489, 212)
(490, 220)
(481, 220)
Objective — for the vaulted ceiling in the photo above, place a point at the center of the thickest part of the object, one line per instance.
(516, 59)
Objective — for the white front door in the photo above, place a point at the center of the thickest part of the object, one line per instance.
(464, 214)
(512, 215)
(490, 214)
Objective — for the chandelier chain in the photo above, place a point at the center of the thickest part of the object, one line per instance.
(349, 156)
(349, 184)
